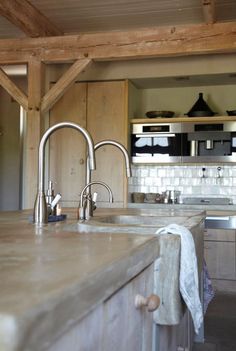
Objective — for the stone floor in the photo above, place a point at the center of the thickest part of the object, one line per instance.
(220, 325)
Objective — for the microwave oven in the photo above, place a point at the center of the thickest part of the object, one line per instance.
(156, 143)
(189, 142)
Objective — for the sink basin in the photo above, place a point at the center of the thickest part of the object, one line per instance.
(125, 224)
(130, 220)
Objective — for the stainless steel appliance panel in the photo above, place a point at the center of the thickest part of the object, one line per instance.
(156, 143)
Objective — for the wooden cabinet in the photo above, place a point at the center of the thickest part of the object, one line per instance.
(115, 324)
(219, 251)
(107, 118)
(100, 107)
(67, 156)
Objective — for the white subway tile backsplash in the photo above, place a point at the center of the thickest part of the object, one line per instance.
(153, 172)
(187, 179)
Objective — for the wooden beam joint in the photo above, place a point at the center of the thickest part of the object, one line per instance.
(208, 7)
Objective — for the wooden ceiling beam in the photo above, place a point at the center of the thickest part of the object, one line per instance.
(208, 7)
(27, 18)
(156, 42)
(13, 90)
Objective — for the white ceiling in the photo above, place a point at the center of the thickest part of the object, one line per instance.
(78, 16)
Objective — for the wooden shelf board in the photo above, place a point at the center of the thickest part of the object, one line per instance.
(184, 119)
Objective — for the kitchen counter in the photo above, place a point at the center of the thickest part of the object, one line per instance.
(183, 207)
(51, 278)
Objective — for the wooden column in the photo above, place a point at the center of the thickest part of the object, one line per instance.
(34, 129)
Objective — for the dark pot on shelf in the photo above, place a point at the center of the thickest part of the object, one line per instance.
(200, 113)
(200, 108)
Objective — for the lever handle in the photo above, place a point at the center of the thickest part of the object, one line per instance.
(152, 302)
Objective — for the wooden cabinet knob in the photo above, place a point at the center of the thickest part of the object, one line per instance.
(152, 302)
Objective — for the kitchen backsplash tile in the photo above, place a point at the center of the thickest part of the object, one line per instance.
(187, 179)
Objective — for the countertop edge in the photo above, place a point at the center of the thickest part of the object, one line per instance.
(67, 310)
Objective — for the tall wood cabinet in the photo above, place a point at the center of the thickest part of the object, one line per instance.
(100, 107)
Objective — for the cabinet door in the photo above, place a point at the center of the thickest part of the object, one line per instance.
(116, 324)
(128, 328)
(107, 119)
(68, 146)
(220, 259)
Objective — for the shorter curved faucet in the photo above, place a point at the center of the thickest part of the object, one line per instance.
(89, 209)
(40, 215)
(118, 146)
(86, 201)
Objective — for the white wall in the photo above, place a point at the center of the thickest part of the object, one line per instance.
(180, 100)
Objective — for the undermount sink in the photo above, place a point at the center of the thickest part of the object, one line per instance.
(130, 220)
(125, 224)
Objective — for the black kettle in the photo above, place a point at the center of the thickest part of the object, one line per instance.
(200, 108)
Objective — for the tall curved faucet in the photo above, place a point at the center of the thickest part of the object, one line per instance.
(120, 147)
(40, 208)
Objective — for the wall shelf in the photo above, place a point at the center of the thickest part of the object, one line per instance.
(183, 119)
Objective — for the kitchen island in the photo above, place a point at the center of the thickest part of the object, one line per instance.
(53, 279)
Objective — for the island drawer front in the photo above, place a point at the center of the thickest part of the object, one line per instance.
(219, 235)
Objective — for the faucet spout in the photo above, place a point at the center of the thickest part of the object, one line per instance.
(40, 208)
(86, 200)
(120, 147)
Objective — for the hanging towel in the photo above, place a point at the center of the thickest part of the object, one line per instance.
(208, 291)
(188, 278)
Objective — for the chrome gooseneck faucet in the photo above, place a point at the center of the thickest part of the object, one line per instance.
(40, 215)
(89, 210)
(120, 147)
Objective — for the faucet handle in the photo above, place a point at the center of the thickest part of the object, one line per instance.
(94, 200)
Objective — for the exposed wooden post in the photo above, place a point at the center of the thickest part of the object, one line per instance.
(34, 128)
(208, 7)
(67, 79)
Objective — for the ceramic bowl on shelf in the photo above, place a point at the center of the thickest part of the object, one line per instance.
(138, 197)
(231, 113)
(156, 114)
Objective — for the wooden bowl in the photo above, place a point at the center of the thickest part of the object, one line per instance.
(157, 114)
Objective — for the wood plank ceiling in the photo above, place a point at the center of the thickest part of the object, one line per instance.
(36, 18)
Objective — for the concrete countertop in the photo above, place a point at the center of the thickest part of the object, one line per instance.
(183, 207)
(47, 274)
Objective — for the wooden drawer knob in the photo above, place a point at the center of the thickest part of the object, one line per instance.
(152, 302)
